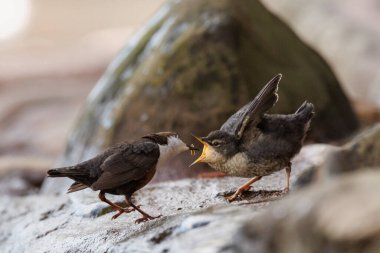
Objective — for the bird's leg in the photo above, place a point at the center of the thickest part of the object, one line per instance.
(242, 189)
(145, 217)
(118, 208)
(288, 171)
(212, 174)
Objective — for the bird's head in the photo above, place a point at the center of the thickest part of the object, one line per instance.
(170, 144)
(217, 147)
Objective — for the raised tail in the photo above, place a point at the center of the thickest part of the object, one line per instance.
(305, 111)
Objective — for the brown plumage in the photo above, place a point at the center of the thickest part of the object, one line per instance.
(254, 144)
(123, 168)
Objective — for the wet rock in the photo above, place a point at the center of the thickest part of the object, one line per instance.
(339, 215)
(193, 65)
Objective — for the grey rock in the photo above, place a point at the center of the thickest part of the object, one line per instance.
(336, 215)
(193, 65)
(340, 215)
(196, 217)
(362, 152)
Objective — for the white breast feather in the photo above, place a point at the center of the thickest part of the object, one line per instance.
(174, 147)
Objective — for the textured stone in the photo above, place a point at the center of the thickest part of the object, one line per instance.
(362, 152)
(196, 218)
(340, 215)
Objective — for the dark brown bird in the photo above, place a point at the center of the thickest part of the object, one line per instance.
(124, 168)
(254, 144)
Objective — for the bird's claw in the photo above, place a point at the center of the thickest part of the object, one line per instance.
(234, 196)
(128, 210)
(124, 210)
(147, 218)
(286, 190)
(120, 212)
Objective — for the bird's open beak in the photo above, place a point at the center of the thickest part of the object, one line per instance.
(203, 155)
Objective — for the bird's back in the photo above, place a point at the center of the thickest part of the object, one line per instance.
(280, 136)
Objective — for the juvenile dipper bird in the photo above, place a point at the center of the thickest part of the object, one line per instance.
(124, 168)
(254, 144)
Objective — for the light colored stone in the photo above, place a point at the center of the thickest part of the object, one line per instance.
(196, 218)
(339, 215)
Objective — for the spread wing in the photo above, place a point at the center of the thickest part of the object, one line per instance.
(130, 164)
(251, 113)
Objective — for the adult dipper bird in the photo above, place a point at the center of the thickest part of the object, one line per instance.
(254, 144)
(124, 168)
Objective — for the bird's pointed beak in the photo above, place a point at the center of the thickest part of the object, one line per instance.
(203, 155)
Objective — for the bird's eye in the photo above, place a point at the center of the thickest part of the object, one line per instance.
(215, 143)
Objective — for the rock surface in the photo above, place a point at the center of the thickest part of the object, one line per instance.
(193, 65)
(196, 217)
(360, 153)
(340, 215)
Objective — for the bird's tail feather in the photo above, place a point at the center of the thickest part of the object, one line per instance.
(64, 172)
(305, 111)
(76, 186)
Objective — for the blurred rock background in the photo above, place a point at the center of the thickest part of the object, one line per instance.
(51, 55)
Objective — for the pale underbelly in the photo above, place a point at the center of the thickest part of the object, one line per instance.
(243, 168)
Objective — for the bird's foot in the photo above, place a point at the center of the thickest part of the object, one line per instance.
(131, 209)
(147, 218)
(286, 190)
(128, 210)
(124, 210)
(234, 196)
(120, 212)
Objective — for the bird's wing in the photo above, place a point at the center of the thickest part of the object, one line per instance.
(251, 113)
(130, 164)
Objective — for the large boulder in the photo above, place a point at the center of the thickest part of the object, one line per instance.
(195, 63)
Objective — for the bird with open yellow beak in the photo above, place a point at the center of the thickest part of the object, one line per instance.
(254, 144)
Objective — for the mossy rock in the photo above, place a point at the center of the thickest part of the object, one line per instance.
(194, 64)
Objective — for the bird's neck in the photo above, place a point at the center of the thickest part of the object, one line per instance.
(169, 151)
